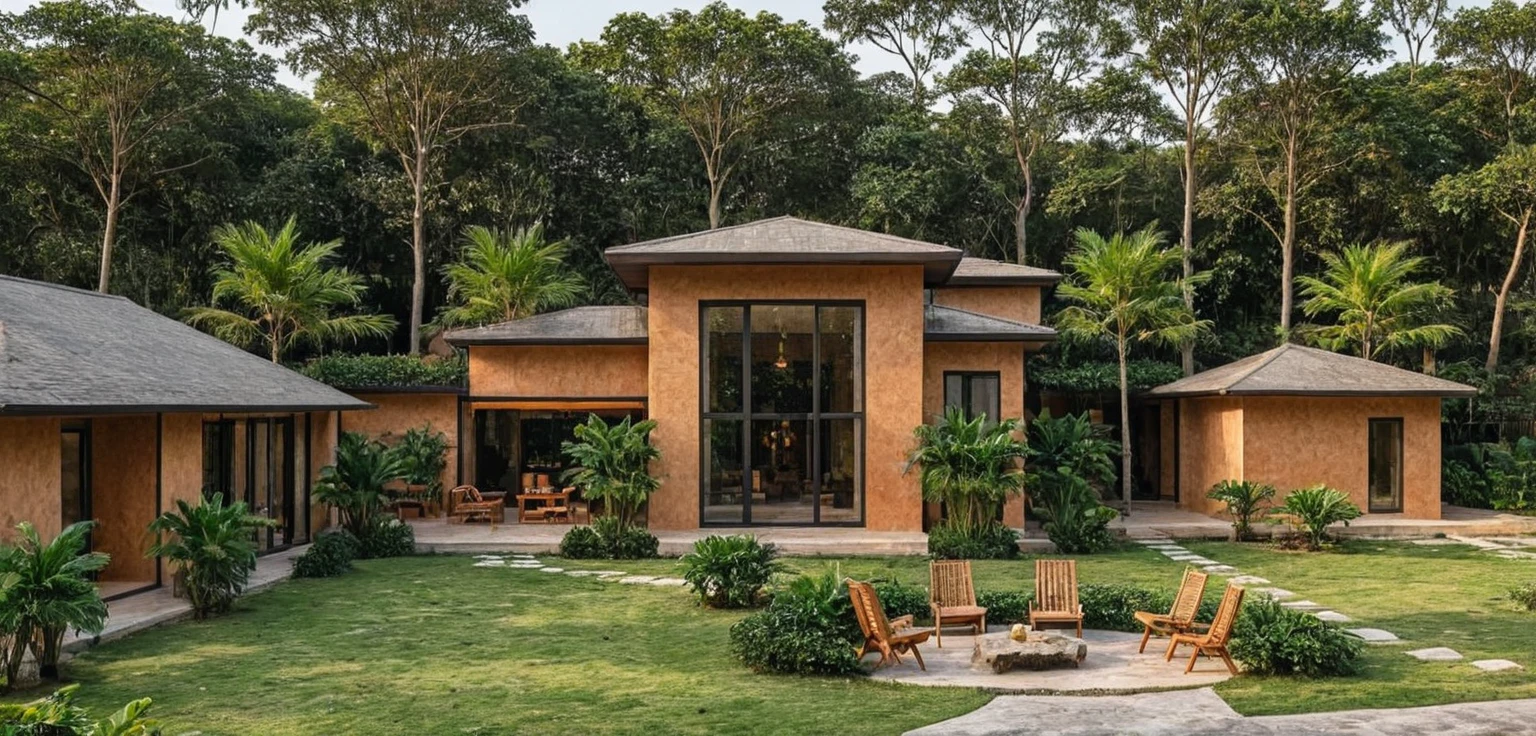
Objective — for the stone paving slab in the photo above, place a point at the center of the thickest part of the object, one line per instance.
(1332, 617)
(1220, 569)
(551, 569)
(637, 579)
(1276, 593)
(1203, 713)
(1435, 654)
(1374, 636)
(1303, 605)
(1249, 580)
(1496, 665)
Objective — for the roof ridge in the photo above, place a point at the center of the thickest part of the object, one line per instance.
(1258, 365)
(697, 233)
(700, 233)
(64, 287)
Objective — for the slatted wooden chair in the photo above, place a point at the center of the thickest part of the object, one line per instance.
(890, 638)
(1213, 642)
(1056, 595)
(1180, 618)
(952, 597)
(466, 504)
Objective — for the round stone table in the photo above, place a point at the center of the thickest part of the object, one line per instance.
(1042, 650)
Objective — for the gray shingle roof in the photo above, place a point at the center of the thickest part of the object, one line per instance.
(780, 240)
(947, 324)
(64, 350)
(987, 272)
(1295, 370)
(581, 325)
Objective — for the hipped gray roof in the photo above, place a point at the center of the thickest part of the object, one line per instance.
(578, 326)
(68, 351)
(947, 324)
(1294, 370)
(987, 272)
(780, 240)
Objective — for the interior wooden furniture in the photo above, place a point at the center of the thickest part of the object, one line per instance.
(1056, 595)
(1212, 643)
(890, 638)
(1181, 617)
(467, 504)
(544, 506)
(952, 597)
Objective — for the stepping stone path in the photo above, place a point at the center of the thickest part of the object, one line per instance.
(1435, 654)
(1304, 605)
(1276, 593)
(1333, 616)
(1248, 580)
(1374, 636)
(1496, 665)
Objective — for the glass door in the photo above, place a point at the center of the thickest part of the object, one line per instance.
(1386, 465)
(75, 475)
(269, 475)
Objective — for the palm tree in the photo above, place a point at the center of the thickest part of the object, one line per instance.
(354, 484)
(46, 590)
(970, 465)
(282, 292)
(211, 544)
(1121, 289)
(1376, 305)
(507, 276)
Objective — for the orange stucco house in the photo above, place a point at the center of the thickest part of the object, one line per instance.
(111, 412)
(785, 362)
(1296, 416)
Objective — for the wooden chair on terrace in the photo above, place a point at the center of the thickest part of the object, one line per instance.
(890, 638)
(1056, 595)
(952, 597)
(1179, 619)
(467, 505)
(1212, 643)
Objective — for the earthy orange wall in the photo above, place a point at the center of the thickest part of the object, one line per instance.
(181, 464)
(398, 412)
(893, 375)
(322, 452)
(123, 481)
(561, 370)
(29, 475)
(1212, 448)
(1005, 358)
(1018, 303)
(1295, 442)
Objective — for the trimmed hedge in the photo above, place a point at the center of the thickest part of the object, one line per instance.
(387, 371)
(330, 555)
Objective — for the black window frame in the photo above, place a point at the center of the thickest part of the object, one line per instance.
(1370, 424)
(965, 391)
(746, 415)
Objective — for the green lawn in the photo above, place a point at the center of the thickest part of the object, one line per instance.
(431, 640)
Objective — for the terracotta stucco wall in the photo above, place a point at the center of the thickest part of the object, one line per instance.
(322, 452)
(1294, 442)
(398, 412)
(29, 475)
(558, 371)
(123, 487)
(893, 376)
(1007, 359)
(1018, 303)
(1211, 447)
(181, 464)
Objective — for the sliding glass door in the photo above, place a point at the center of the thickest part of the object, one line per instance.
(782, 413)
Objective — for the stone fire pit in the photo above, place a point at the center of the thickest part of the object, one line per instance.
(1042, 650)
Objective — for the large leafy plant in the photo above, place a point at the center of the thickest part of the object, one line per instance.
(46, 590)
(1314, 509)
(1270, 639)
(423, 455)
(809, 629)
(972, 466)
(730, 572)
(212, 545)
(354, 484)
(612, 465)
(1070, 462)
(1245, 499)
(57, 715)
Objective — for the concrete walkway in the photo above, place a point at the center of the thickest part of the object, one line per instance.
(1203, 713)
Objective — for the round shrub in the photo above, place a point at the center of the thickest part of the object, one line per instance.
(634, 543)
(330, 555)
(387, 537)
(604, 540)
(583, 543)
(1005, 606)
(730, 572)
(808, 629)
(903, 600)
(1270, 639)
(990, 542)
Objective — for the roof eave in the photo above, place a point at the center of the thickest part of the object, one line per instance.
(1327, 393)
(463, 342)
(81, 409)
(633, 269)
(986, 337)
(970, 282)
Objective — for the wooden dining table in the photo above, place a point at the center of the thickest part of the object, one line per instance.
(547, 504)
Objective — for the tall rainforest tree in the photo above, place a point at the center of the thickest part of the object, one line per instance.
(1192, 48)
(506, 276)
(1506, 187)
(1126, 289)
(1416, 21)
(281, 292)
(920, 32)
(1498, 44)
(1375, 304)
(1042, 65)
(109, 85)
(725, 77)
(411, 76)
(1299, 57)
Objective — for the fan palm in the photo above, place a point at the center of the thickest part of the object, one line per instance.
(1121, 290)
(281, 292)
(970, 465)
(46, 590)
(1376, 304)
(612, 465)
(212, 545)
(354, 484)
(506, 276)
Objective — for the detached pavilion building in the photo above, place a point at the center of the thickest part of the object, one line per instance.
(109, 411)
(785, 362)
(1297, 416)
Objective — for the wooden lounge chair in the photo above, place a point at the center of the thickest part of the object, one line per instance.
(1213, 642)
(890, 638)
(1056, 595)
(1181, 617)
(952, 598)
(467, 505)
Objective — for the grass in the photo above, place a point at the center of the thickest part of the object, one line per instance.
(398, 643)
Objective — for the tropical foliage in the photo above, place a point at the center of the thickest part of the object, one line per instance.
(1313, 510)
(210, 546)
(971, 465)
(730, 572)
(1375, 306)
(612, 465)
(46, 590)
(423, 456)
(502, 276)
(354, 484)
(57, 715)
(1245, 500)
(808, 629)
(1270, 639)
(1069, 468)
(387, 371)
